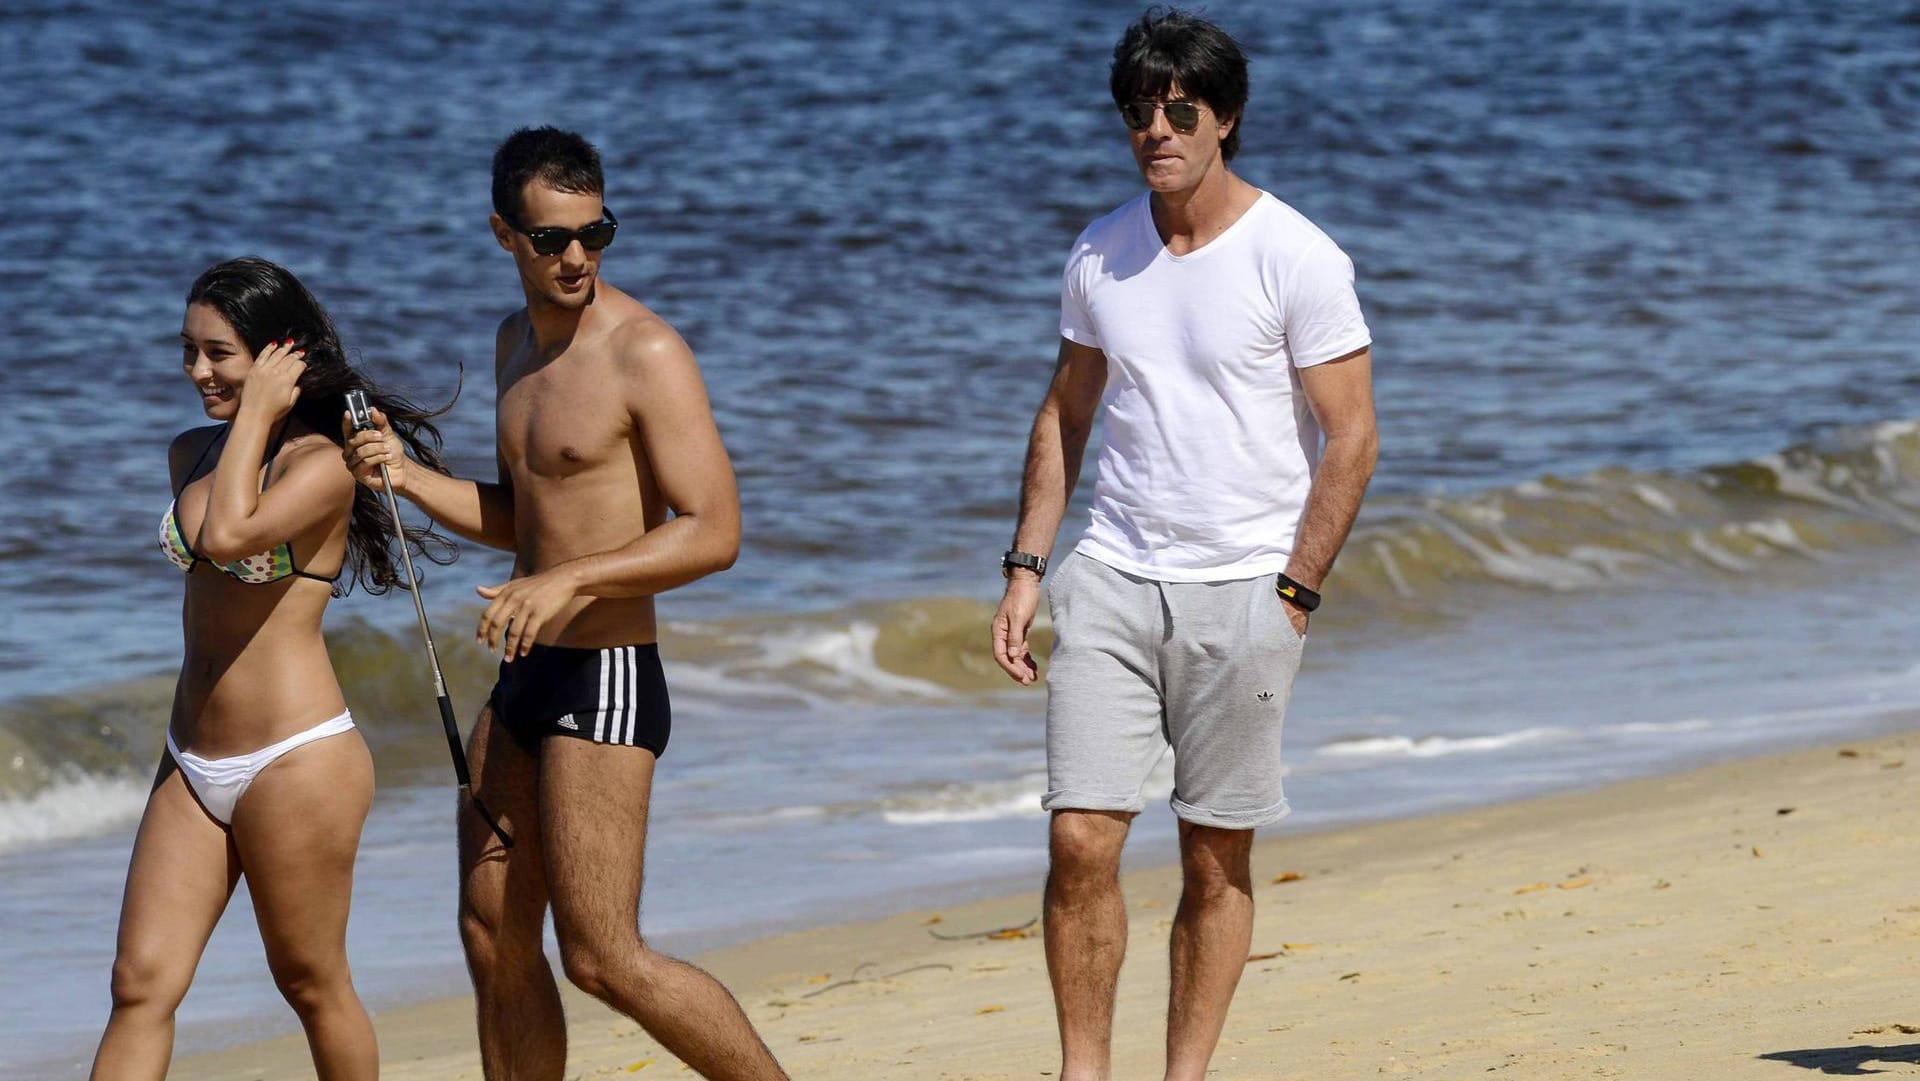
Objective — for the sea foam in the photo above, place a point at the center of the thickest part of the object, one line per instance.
(73, 806)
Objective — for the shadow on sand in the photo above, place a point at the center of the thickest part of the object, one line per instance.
(1848, 1061)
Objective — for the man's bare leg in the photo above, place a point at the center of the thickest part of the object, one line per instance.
(1086, 935)
(594, 810)
(503, 907)
(1212, 932)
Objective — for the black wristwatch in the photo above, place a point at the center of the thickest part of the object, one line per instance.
(1296, 594)
(1013, 560)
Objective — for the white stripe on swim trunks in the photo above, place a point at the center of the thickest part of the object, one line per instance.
(632, 733)
(616, 694)
(600, 715)
(620, 670)
(631, 718)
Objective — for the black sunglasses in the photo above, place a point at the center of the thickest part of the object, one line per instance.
(553, 240)
(1182, 116)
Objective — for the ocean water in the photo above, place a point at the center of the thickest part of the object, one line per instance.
(1646, 308)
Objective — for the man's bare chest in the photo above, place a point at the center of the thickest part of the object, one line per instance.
(556, 424)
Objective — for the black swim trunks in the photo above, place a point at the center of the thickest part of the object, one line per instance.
(613, 695)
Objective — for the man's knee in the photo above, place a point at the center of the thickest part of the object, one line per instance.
(1215, 862)
(1084, 849)
(496, 945)
(596, 963)
(479, 932)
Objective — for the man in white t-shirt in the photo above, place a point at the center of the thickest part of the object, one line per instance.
(1220, 329)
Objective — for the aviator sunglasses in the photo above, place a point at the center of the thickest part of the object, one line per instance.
(553, 240)
(1182, 116)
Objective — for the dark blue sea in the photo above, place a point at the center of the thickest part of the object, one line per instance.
(1644, 279)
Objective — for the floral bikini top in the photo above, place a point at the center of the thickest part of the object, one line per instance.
(270, 566)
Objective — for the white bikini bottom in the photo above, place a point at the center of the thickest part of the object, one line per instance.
(220, 782)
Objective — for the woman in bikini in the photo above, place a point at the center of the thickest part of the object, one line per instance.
(264, 775)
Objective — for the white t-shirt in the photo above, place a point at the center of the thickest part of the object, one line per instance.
(1210, 446)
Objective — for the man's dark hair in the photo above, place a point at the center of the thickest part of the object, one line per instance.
(561, 160)
(1168, 47)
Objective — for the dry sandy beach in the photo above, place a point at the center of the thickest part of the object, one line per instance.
(1753, 919)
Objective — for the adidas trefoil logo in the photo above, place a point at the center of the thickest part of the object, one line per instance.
(569, 723)
(1265, 696)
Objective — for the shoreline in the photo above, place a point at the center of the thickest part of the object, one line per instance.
(1735, 920)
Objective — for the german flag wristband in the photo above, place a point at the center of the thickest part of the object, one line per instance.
(1296, 594)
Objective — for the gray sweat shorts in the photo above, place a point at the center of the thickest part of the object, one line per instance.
(1140, 665)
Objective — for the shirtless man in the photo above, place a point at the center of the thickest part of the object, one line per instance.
(613, 487)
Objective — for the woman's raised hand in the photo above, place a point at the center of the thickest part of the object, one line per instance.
(273, 383)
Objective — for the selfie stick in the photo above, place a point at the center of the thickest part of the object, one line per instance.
(363, 421)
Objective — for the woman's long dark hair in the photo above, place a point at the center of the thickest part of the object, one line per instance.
(264, 303)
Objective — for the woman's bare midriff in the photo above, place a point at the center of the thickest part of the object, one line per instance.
(256, 668)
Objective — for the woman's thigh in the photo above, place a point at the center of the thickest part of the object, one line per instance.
(297, 830)
(179, 880)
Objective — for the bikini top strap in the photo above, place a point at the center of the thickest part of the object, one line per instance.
(273, 450)
(200, 461)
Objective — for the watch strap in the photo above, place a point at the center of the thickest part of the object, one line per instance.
(1013, 559)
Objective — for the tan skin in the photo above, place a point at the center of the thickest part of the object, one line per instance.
(1195, 199)
(613, 486)
(255, 672)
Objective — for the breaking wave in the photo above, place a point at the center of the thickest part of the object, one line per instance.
(83, 758)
